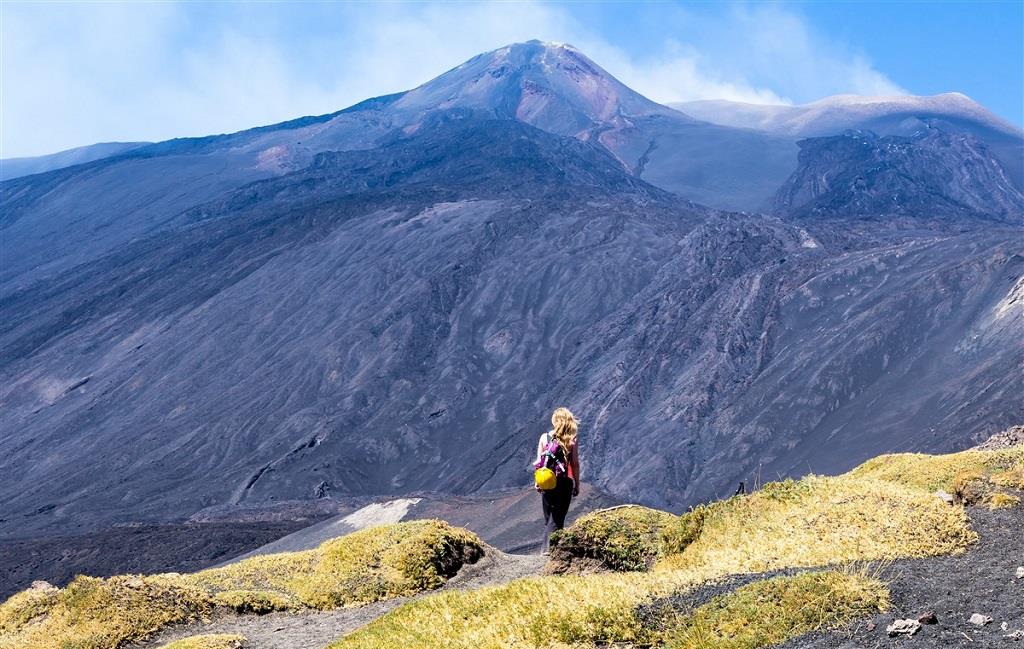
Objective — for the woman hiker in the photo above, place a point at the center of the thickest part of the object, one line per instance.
(557, 453)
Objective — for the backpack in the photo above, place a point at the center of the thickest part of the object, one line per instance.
(550, 465)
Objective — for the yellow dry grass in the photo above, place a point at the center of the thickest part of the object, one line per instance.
(531, 612)
(772, 611)
(209, 641)
(812, 522)
(370, 565)
(365, 566)
(253, 601)
(1000, 500)
(25, 606)
(818, 521)
(598, 610)
(932, 472)
(884, 509)
(93, 613)
(1013, 477)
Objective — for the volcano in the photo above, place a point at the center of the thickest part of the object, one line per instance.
(389, 299)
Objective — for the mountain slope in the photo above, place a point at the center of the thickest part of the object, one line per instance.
(389, 299)
(931, 173)
(17, 167)
(397, 287)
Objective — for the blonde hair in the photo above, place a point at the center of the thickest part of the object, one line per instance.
(564, 427)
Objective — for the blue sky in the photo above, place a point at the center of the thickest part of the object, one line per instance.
(75, 74)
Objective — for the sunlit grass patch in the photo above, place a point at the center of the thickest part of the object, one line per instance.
(772, 611)
(94, 613)
(365, 566)
(820, 521)
(1013, 477)
(369, 565)
(932, 472)
(603, 609)
(209, 641)
(531, 612)
(254, 601)
(28, 605)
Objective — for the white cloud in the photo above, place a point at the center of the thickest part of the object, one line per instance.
(781, 49)
(84, 73)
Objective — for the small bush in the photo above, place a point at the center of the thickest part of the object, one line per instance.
(26, 606)
(1000, 500)
(971, 487)
(621, 539)
(209, 641)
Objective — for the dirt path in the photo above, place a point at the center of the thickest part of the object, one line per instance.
(315, 629)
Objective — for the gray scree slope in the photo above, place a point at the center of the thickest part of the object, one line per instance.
(388, 300)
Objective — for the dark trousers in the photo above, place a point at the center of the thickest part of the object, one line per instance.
(556, 505)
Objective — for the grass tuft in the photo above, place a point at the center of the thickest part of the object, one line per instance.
(623, 539)
(772, 611)
(1012, 477)
(1000, 500)
(26, 606)
(253, 601)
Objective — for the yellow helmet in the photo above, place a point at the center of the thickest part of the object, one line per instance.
(544, 478)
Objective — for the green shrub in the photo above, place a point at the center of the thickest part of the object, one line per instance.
(621, 539)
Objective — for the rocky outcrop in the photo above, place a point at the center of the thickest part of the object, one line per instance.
(930, 174)
(1012, 436)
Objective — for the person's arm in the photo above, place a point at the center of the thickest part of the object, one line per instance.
(574, 458)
